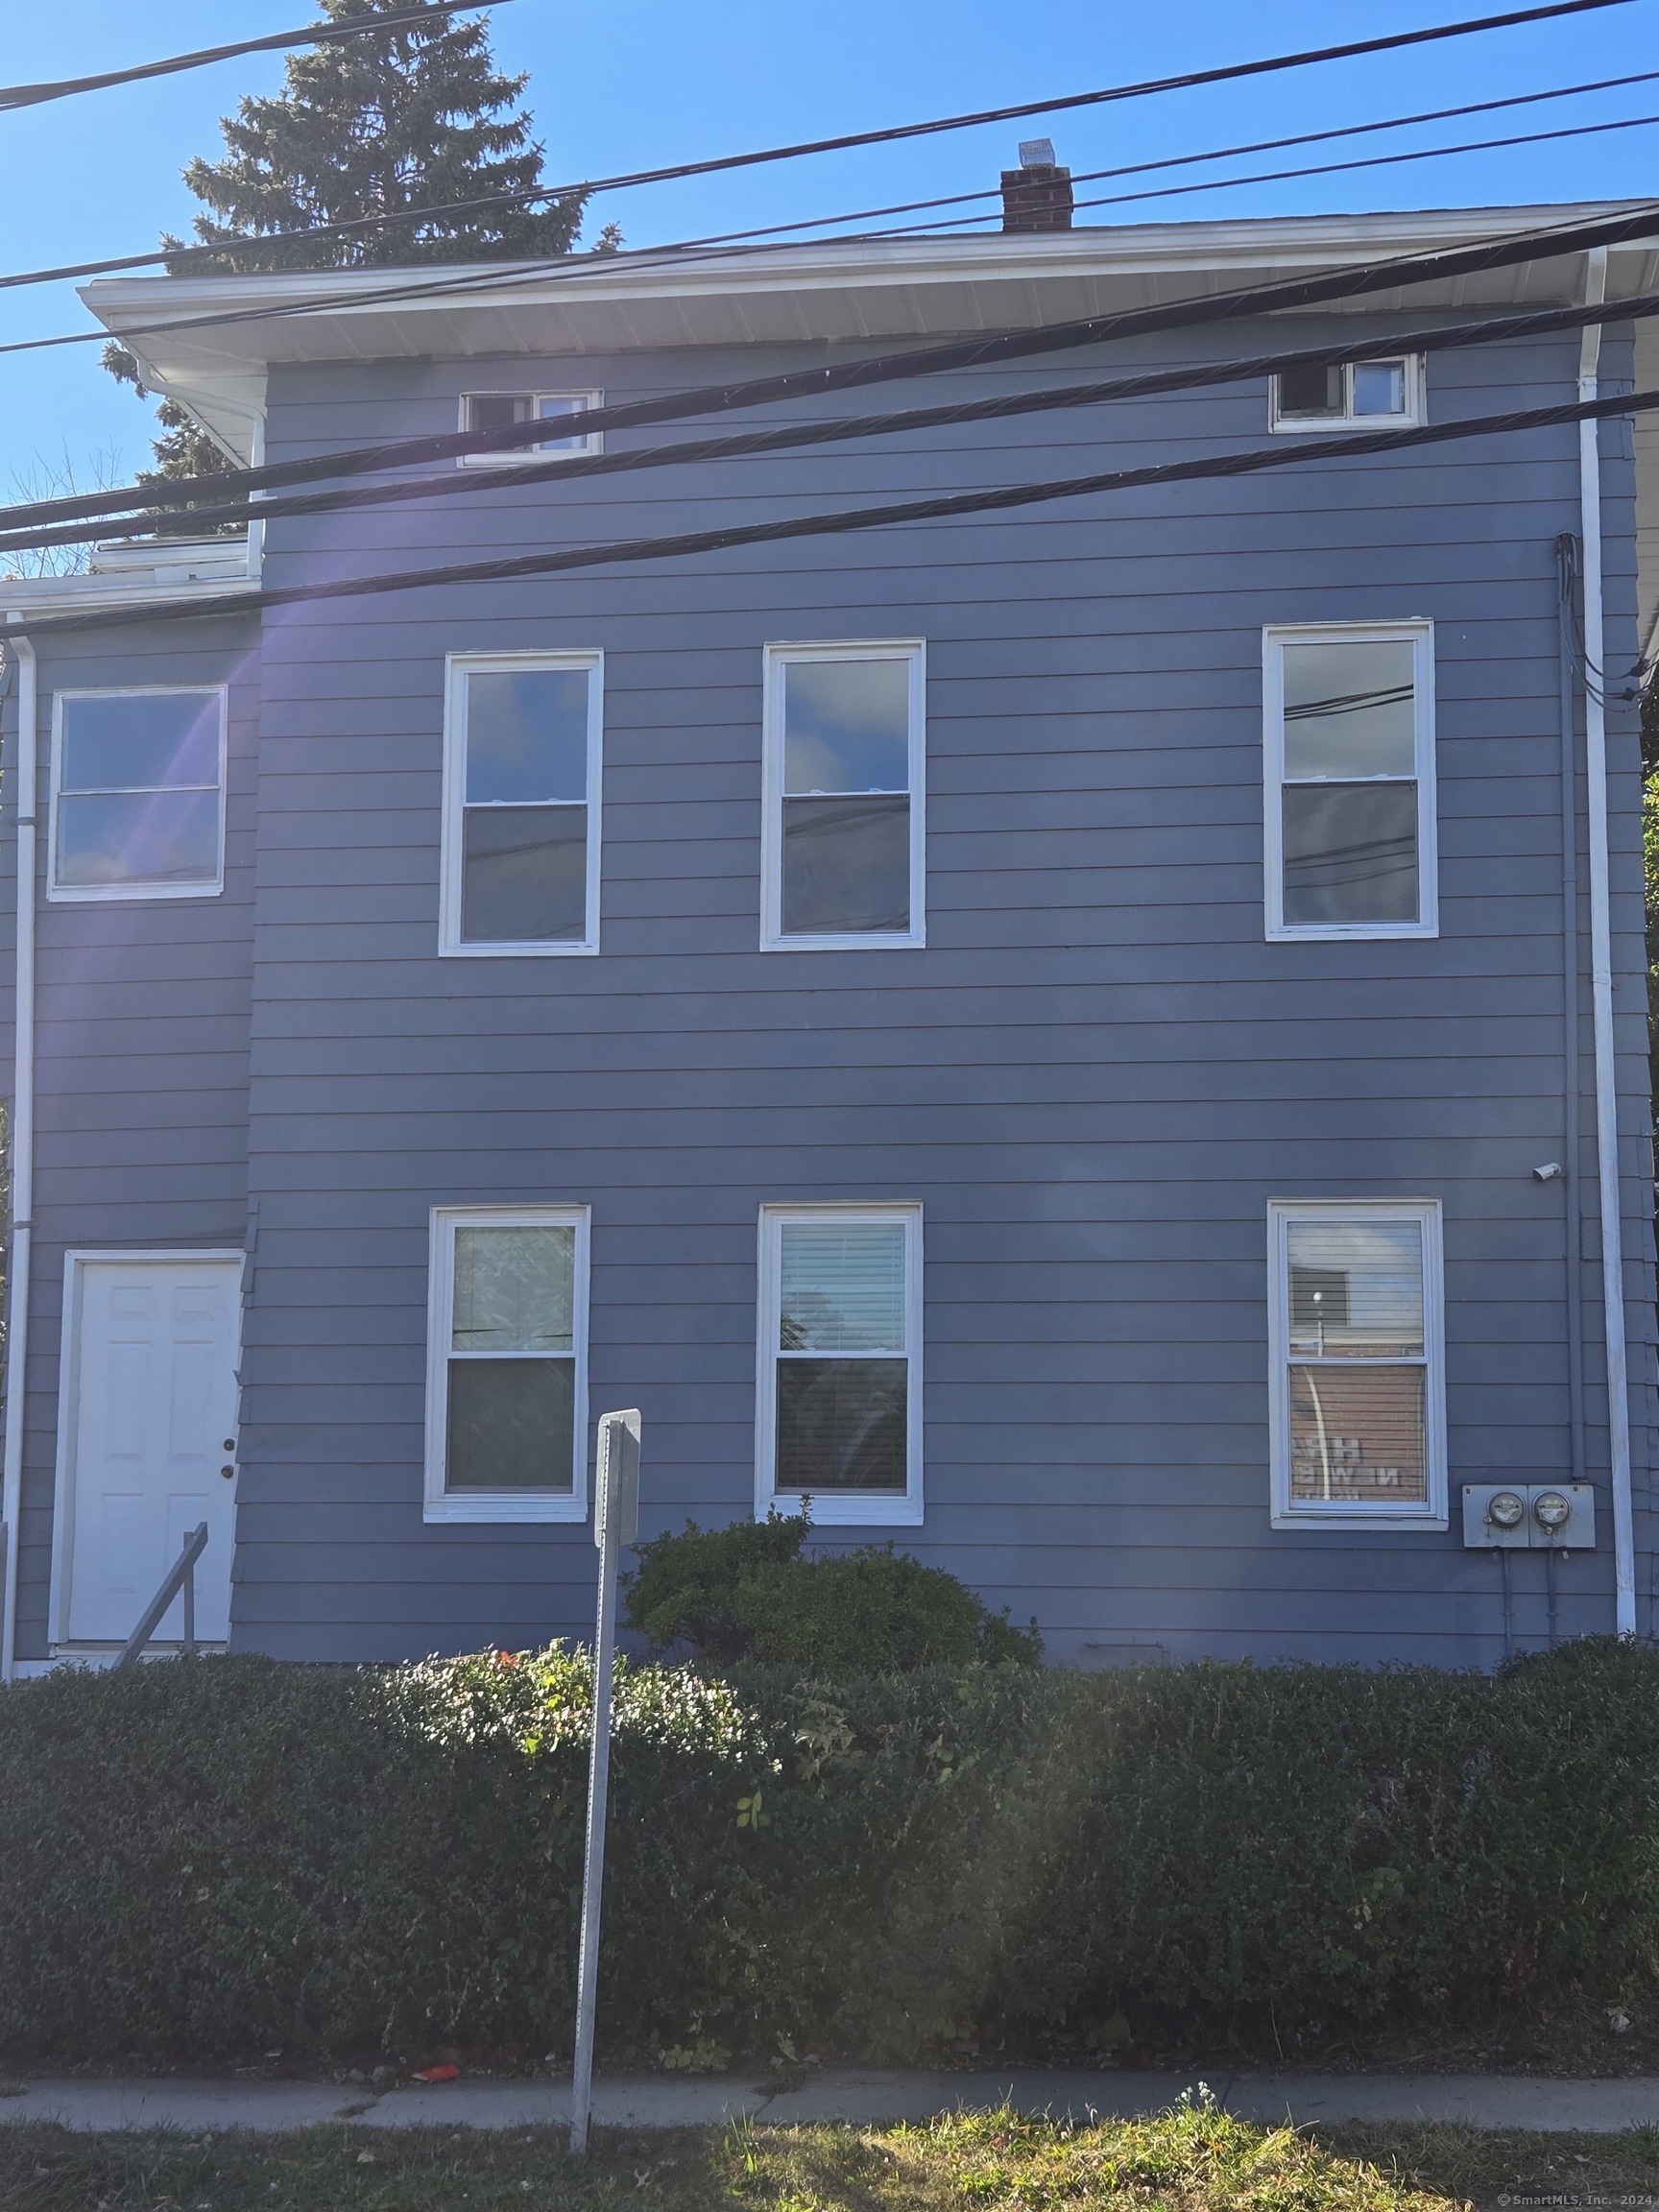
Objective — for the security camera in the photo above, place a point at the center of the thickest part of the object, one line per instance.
(1552, 1171)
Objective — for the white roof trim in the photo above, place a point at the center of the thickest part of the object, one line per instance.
(866, 292)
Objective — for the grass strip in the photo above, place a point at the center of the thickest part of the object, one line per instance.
(1194, 2159)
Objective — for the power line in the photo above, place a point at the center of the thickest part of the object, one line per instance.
(1320, 169)
(1352, 282)
(285, 238)
(313, 35)
(477, 280)
(944, 508)
(787, 437)
(428, 288)
(1213, 154)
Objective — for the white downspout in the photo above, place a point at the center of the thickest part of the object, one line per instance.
(1602, 972)
(22, 1143)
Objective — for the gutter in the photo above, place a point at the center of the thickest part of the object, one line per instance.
(1601, 972)
(22, 1146)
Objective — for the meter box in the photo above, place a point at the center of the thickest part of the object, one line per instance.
(1529, 1517)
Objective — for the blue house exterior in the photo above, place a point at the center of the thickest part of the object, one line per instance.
(1037, 1030)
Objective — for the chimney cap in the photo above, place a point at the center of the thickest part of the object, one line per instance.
(1036, 153)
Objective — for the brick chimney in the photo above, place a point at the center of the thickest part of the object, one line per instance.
(1037, 196)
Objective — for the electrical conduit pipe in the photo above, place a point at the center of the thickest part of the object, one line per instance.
(22, 1134)
(1601, 972)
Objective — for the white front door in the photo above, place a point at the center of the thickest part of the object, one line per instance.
(147, 1447)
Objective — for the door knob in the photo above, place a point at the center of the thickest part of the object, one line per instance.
(227, 1472)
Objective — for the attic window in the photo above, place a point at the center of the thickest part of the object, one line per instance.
(494, 410)
(1349, 395)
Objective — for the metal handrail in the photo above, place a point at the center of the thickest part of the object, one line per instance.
(181, 1575)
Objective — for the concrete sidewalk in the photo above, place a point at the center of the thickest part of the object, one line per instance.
(667, 2101)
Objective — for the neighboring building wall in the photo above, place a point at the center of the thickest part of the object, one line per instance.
(141, 1039)
(1095, 1077)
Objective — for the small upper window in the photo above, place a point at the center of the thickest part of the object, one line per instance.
(842, 841)
(1358, 1423)
(1349, 745)
(137, 795)
(521, 803)
(1349, 395)
(496, 410)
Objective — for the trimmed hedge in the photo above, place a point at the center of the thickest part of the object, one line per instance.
(750, 1591)
(204, 1856)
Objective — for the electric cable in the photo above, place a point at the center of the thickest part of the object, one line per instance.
(561, 269)
(313, 35)
(1350, 281)
(786, 437)
(838, 523)
(474, 281)
(1316, 169)
(174, 257)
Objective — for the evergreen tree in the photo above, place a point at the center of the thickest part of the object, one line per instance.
(367, 126)
(410, 118)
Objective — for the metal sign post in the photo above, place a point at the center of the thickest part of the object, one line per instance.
(615, 1523)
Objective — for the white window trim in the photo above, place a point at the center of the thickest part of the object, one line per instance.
(846, 1509)
(1287, 1513)
(101, 894)
(499, 1505)
(591, 441)
(1347, 422)
(452, 851)
(1274, 638)
(777, 657)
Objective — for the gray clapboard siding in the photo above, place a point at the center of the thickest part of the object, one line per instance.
(141, 1045)
(1094, 1076)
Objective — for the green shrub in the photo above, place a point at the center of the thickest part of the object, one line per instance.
(200, 1857)
(747, 1592)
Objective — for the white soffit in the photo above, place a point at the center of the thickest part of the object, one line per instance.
(854, 292)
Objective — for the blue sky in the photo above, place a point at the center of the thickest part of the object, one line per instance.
(641, 83)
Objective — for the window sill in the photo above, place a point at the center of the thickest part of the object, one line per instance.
(1352, 1517)
(858, 943)
(517, 951)
(860, 1509)
(517, 459)
(120, 894)
(1350, 932)
(504, 1506)
(1346, 425)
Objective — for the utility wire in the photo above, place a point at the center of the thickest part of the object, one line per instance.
(475, 279)
(567, 268)
(1352, 282)
(1318, 169)
(840, 522)
(177, 258)
(1187, 160)
(794, 435)
(313, 35)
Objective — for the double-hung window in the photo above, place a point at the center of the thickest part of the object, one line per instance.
(1348, 738)
(507, 1362)
(1358, 1410)
(838, 1403)
(521, 772)
(137, 795)
(842, 835)
(1349, 395)
(496, 410)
